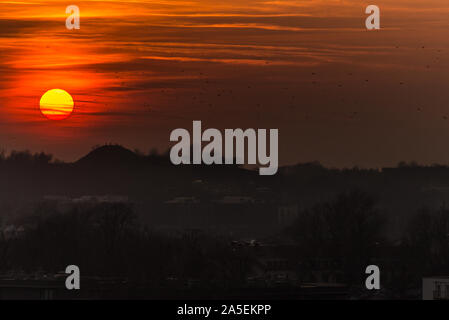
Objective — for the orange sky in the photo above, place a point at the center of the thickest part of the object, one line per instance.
(139, 69)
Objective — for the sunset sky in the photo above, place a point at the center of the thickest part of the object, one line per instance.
(136, 70)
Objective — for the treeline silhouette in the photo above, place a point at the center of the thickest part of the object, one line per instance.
(399, 221)
(107, 240)
(347, 233)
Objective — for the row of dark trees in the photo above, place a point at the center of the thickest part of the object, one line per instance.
(345, 232)
(107, 240)
(350, 233)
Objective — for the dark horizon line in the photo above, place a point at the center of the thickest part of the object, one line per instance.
(154, 153)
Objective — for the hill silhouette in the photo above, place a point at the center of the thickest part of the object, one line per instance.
(151, 178)
(109, 155)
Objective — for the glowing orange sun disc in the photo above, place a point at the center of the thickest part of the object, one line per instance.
(56, 104)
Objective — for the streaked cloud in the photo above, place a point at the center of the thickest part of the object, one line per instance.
(137, 69)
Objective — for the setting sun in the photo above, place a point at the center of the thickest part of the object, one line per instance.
(56, 104)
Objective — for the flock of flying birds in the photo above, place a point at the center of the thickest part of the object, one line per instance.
(205, 93)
